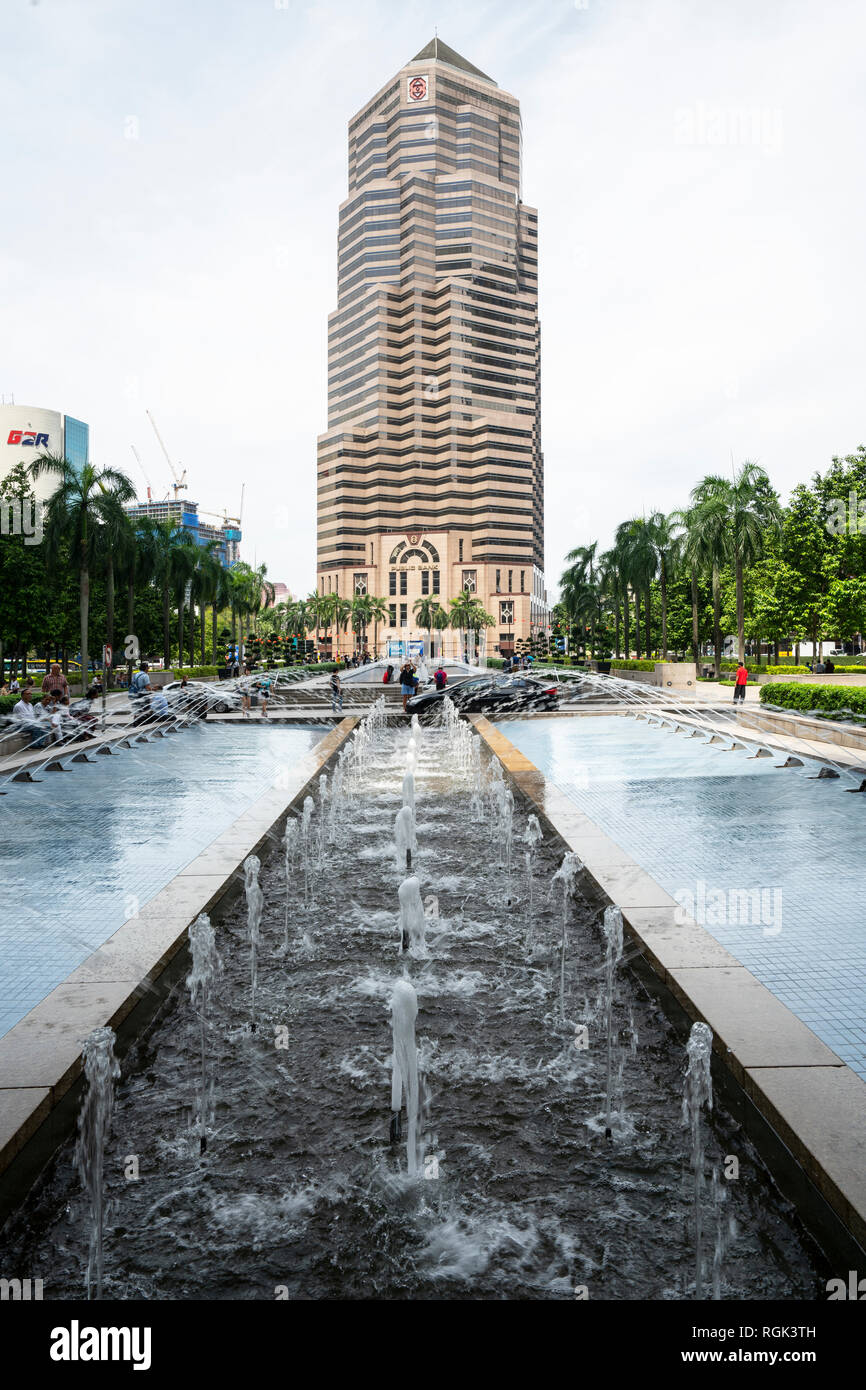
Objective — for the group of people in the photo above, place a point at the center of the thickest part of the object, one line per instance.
(49, 720)
(517, 663)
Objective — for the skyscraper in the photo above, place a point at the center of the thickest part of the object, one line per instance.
(430, 474)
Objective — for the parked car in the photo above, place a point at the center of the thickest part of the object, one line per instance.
(202, 697)
(495, 693)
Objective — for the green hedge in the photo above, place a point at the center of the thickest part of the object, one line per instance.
(194, 673)
(837, 700)
(617, 665)
(787, 670)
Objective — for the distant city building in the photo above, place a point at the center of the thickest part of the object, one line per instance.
(430, 474)
(282, 593)
(27, 431)
(186, 514)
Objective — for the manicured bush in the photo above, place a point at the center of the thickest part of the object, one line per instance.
(195, 673)
(787, 670)
(837, 701)
(623, 665)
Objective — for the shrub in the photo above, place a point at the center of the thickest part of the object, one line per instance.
(787, 670)
(194, 673)
(833, 700)
(618, 665)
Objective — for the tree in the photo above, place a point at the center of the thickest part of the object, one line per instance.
(378, 614)
(75, 512)
(469, 615)
(747, 511)
(425, 611)
(169, 546)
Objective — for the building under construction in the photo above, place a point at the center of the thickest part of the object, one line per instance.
(186, 514)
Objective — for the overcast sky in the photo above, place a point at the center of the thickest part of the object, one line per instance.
(171, 172)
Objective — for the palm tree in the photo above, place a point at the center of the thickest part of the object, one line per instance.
(581, 590)
(206, 588)
(113, 537)
(134, 562)
(378, 614)
(705, 549)
(469, 615)
(74, 514)
(170, 546)
(425, 611)
(337, 612)
(746, 511)
(441, 621)
(360, 616)
(661, 532)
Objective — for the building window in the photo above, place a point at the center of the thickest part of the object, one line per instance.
(392, 582)
(404, 579)
(459, 550)
(392, 609)
(498, 580)
(360, 584)
(425, 581)
(522, 573)
(469, 581)
(403, 618)
(329, 583)
(506, 614)
(435, 581)
(510, 585)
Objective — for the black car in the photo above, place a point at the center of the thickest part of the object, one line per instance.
(495, 693)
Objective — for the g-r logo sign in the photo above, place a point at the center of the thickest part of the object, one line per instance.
(27, 437)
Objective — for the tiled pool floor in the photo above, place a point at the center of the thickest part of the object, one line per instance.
(712, 827)
(82, 851)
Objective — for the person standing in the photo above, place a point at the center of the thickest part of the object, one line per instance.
(740, 682)
(336, 693)
(440, 676)
(407, 683)
(55, 680)
(246, 693)
(265, 692)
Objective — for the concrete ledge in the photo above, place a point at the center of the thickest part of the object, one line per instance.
(814, 730)
(40, 1057)
(809, 1098)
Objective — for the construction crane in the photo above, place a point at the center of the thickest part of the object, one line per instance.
(179, 482)
(143, 474)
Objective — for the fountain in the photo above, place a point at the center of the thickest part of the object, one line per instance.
(405, 843)
(323, 797)
(200, 983)
(404, 1071)
(412, 920)
(409, 790)
(101, 1069)
(307, 849)
(697, 1095)
(566, 874)
(488, 1046)
(531, 838)
(612, 957)
(255, 907)
(290, 859)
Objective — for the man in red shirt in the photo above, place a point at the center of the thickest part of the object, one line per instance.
(56, 681)
(740, 682)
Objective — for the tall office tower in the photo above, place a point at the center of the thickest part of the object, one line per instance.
(430, 474)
